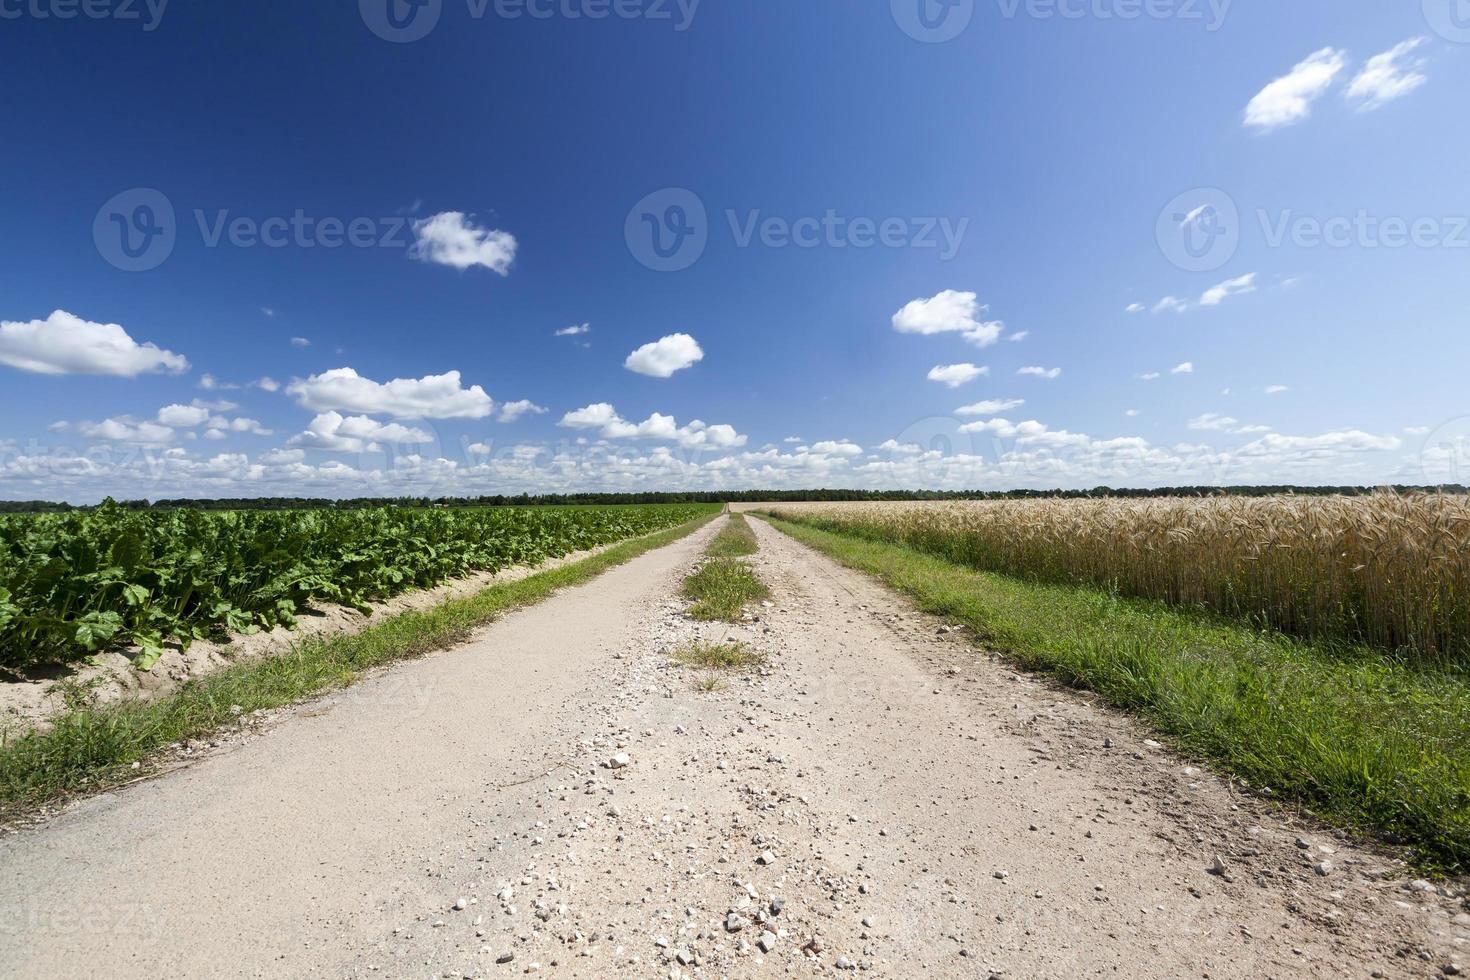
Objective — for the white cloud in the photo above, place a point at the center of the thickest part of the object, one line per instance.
(1277, 389)
(219, 425)
(611, 425)
(992, 407)
(1136, 307)
(575, 331)
(300, 342)
(664, 356)
(1046, 374)
(126, 430)
(511, 411)
(437, 396)
(1416, 430)
(955, 375)
(949, 312)
(1150, 376)
(66, 344)
(1171, 304)
(902, 448)
(332, 432)
(1186, 368)
(1019, 336)
(268, 384)
(1213, 422)
(1385, 78)
(1289, 98)
(183, 416)
(1132, 413)
(1239, 286)
(838, 447)
(452, 239)
(268, 311)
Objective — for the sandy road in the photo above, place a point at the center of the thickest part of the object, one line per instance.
(917, 808)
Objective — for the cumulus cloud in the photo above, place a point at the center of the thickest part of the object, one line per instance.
(183, 416)
(836, 447)
(1171, 304)
(300, 342)
(1136, 307)
(1239, 286)
(511, 411)
(1387, 77)
(450, 238)
(438, 396)
(610, 425)
(1289, 98)
(1046, 374)
(128, 431)
(66, 344)
(1186, 368)
(664, 356)
(576, 330)
(331, 432)
(956, 375)
(1213, 422)
(949, 312)
(992, 407)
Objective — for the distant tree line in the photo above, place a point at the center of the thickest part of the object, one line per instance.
(703, 497)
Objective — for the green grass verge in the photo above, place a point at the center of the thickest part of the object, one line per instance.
(721, 588)
(89, 748)
(1356, 736)
(735, 540)
(717, 656)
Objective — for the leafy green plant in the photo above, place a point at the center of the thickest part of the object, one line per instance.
(112, 578)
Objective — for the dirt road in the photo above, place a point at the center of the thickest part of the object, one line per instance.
(917, 808)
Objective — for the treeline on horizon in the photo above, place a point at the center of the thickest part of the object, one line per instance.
(703, 497)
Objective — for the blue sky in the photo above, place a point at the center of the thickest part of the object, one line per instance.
(996, 192)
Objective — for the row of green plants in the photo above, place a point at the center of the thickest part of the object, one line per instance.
(75, 584)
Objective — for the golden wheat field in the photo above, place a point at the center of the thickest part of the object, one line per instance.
(1384, 569)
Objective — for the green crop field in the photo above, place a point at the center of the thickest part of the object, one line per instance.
(74, 584)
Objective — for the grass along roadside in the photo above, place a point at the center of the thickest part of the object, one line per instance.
(724, 584)
(1355, 735)
(90, 749)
